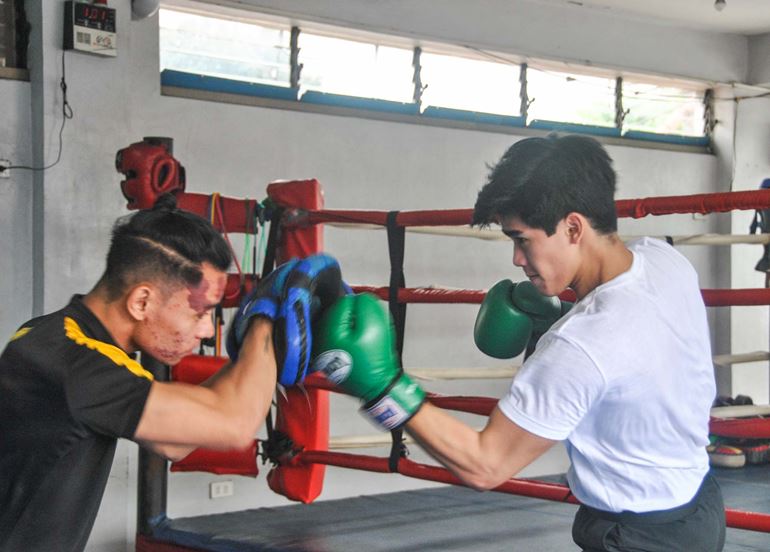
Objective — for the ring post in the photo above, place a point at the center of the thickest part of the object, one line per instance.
(152, 481)
(301, 414)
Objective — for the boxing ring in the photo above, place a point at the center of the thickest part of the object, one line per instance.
(520, 514)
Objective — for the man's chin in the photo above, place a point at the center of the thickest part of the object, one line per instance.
(542, 287)
(169, 360)
(538, 282)
(178, 359)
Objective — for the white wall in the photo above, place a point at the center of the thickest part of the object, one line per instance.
(749, 325)
(237, 150)
(15, 209)
(759, 59)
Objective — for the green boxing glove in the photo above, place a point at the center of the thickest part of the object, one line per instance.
(513, 317)
(354, 347)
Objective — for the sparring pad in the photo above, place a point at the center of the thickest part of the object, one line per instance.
(311, 286)
(292, 296)
(429, 520)
(262, 300)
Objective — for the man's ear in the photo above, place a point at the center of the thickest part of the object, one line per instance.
(138, 301)
(575, 225)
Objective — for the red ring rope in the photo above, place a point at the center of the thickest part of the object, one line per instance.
(634, 208)
(711, 297)
(746, 428)
(697, 203)
(234, 212)
(482, 406)
(738, 519)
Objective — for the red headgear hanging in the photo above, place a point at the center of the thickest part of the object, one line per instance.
(150, 171)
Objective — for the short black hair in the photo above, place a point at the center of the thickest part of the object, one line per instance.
(542, 180)
(165, 245)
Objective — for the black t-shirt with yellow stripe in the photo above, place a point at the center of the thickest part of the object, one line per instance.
(67, 392)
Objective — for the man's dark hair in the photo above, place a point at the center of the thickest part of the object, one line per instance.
(542, 180)
(165, 245)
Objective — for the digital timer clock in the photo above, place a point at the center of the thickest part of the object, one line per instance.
(90, 28)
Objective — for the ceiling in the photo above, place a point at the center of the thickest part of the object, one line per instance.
(743, 17)
(746, 17)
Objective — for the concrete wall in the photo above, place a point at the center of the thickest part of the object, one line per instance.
(16, 208)
(237, 150)
(759, 59)
(751, 161)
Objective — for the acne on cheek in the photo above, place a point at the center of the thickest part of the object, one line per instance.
(174, 349)
(176, 336)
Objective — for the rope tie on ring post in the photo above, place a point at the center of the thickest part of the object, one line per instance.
(396, 245)
(761, 223)
(278, 447)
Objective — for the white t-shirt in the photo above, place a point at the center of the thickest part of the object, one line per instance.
(626, 377)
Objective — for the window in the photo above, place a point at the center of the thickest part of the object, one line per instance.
(14, 31)
(224, 48)
(570, 98)
(666, 110)
(470, 84)
(355, 68)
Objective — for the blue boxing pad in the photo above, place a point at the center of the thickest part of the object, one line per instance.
(311, 286)
(263, 301)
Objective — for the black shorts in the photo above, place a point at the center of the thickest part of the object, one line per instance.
(698, 526)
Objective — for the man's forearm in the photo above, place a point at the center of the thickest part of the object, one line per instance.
(171, 452)
(225, 413)
(250, 381)
(451, 442)
(484, 459)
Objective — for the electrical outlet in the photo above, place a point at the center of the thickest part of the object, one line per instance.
(4, 172)
(221, 489)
